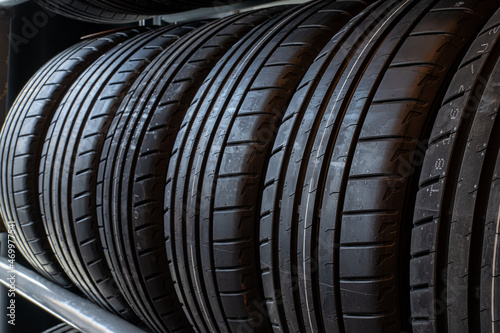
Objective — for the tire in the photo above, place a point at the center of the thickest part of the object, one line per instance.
(489, 292)
(135, 158)
(143, 7)
(212, 192)
(67, 199)
(21, 142)
(84, 10)
(455, 227)
(337, 173)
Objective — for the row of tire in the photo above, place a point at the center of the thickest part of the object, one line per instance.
(123, 11)
(328, 167)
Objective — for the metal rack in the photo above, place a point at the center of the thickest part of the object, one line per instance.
(70, 308)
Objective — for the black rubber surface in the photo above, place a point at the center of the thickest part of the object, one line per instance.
(135, 161)
(144, 135)
(328, 167)
(70, 154)
(212, 193)
(455, 235)
(21, 143)
(334, 246)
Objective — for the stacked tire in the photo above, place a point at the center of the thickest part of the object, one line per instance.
(328, 167)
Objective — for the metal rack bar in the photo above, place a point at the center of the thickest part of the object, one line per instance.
(70, 308)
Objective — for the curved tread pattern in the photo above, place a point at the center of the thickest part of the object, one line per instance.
(21, 141)
(214, 173)
(142, 135)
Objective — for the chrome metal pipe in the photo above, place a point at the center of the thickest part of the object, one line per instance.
(70, 308)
